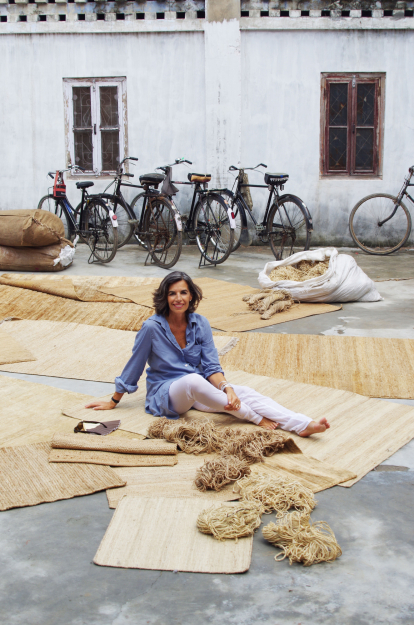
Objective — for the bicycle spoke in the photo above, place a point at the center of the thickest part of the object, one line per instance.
(214, 235)
(163, 239)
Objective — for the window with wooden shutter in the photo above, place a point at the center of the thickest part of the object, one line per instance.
(352, 124)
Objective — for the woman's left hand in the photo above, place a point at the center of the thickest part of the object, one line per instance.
(234, 402)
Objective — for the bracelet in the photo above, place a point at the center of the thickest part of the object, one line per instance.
(116, 401)
(222, 385)
(227, 385)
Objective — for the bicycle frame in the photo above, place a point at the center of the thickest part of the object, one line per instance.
(401, 194)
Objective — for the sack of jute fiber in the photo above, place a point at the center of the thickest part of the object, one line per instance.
(321, 275)
(49, 258)
(30, 228)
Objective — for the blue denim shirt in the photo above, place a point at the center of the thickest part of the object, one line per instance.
(156, 344)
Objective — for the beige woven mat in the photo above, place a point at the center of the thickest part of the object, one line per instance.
(223, 306)
(111, 459)
(375, 367)
(170, 482)
(91, 442)
(27, 477)
(12, 351)
(82, 352)
(32, 413)
(161, 534)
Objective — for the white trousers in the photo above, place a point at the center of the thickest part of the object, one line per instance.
(193, 391)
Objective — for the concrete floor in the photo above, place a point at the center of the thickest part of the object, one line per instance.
(47, 576)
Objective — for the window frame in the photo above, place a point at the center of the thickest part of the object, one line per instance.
(353, 79)
(95, 84)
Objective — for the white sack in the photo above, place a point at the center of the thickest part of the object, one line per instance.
(344, 281)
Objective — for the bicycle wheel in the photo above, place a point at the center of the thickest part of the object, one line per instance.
(123, 216)
(365, 228)
(137, 205)
(287, 227)
(211, 225)
(55, 206)
(239, 217)
(100, 234)
(163, 239)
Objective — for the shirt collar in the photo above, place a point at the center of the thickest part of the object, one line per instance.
(192, 320)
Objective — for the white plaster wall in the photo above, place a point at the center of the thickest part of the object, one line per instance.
(281, 115)
(165, 99)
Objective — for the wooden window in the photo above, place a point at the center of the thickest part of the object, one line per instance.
(95, 116)
(352, 107)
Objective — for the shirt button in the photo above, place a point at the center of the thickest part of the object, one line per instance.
(186, 365)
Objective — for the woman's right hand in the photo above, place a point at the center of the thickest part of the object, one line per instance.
(101, 405)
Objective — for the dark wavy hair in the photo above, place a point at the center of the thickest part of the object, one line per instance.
(160, 296)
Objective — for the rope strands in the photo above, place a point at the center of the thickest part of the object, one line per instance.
(276, 493)
(303, 270)
(268, 302)
(193, 437)
(300, 540)
(252, 446)
(215, 474)
(228, 522)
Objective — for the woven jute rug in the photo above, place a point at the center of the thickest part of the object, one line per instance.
(223, 306)
(12, 351)
(375, 367)
(111, 459)
(161, 534)
(27, 477)
(79, 351)
(32, 413)
(90, 442)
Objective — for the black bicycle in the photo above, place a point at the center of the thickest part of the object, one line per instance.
(287, 222)
(93, 221)
(380, 223)
(209, 221)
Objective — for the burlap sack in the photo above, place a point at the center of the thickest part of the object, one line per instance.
(37, 258)
(30, 228)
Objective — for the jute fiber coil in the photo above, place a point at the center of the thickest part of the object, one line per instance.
(92, 442)
(230, 521)
(300, 540)
(111, 459)
(193, 437)
(215, 474)
(251, 446)
(268, 302)
(303, 270)
(276, 493)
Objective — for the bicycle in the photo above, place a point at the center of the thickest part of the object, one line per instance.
(94, 222)
(380, 224)
(209, 221)
(287, 222)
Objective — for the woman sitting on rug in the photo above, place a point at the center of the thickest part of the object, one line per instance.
(184, 370)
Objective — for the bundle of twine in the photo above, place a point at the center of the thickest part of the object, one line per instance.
(300, 540)
(303, 270)
(228, 522)
(216, 473)
(268, 302)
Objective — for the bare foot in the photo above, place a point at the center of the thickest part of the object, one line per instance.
(268, 424)
(316, 428)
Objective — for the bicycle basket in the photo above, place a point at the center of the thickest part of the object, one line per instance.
(59, 186)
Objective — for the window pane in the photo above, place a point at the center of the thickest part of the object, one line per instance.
(83, 149)
(364, 157)
(82, 107)
(338, 104)
(337, 148)
(365, 104)
(110, 150)
(109, 107)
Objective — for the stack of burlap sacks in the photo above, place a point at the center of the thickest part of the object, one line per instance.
(33, 240)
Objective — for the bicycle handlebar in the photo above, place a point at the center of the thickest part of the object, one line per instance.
(176, 162)
(52, 174)
(233, 168)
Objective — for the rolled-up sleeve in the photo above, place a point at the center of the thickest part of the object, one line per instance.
(209, 356)
(127, 382)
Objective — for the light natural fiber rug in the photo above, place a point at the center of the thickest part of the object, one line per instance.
(223, 306)
(12, 351)
(32, 413)
(82, 352)
(91, 442)
(169, 482)
(375, 367)
(27, 477)
(161, 534)
(112, 459)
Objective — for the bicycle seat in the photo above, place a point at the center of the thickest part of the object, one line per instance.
(152, 179)
(276, 179)
(84, 185)
(199, 177)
